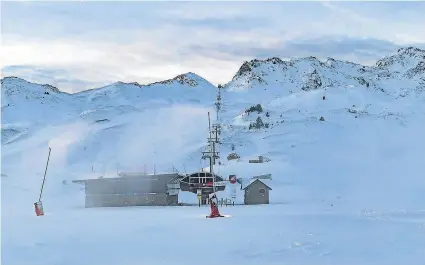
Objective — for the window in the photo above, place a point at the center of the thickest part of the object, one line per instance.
(262, 191)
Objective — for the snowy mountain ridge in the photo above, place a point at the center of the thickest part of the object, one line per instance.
(189, 79)
(23, 100)
(409, 61)
(309, 73)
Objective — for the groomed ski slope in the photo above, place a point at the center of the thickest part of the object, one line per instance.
(274, 234)
(347, 191)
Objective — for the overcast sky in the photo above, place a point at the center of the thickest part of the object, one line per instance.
(84, 44)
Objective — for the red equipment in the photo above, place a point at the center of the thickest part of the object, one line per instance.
(39, 208)
(214, 209)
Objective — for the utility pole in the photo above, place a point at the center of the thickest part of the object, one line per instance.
(213, 139)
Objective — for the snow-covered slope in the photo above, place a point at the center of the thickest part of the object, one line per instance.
(329, 116)
(24, 101)
(345, 148)
(186, 88)
(27, 106)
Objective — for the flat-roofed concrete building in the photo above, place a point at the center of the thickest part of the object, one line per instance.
(132, 189)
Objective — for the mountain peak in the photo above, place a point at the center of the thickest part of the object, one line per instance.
(248, 66)
(17, 81)
(13, 79)
(188, 78)
(403, 59)
(245, 68)
(121, 83)
(411, 51)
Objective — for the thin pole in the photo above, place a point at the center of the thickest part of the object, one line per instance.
(209, 125)
(211, 143)
(213, 159)
(44, 178)
(218, 101)
(216, 134)
(212, 154)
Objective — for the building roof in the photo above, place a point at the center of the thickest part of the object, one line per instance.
(133, 175)
(255, 180)
(142, 174)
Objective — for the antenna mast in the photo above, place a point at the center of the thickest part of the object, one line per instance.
(212, 154)
(218, 101)
(212, 150)
(212, 147)
(214, 134)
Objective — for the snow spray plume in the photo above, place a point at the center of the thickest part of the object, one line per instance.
(163, 137)
(68, 135)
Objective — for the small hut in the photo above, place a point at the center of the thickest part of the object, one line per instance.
(257, 192)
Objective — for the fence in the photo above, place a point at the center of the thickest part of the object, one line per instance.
(226, 202)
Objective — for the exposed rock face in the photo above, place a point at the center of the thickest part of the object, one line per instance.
(183, 79)
(312, 81)
(418, 70)
(258, 108)
(410, 60)
(233, 156)
(245, 68)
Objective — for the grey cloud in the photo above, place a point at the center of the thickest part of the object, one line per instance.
(359, 49)
(234, 23)
(59, 19)
(335, 47)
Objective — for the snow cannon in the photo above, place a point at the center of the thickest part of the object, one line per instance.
(39, 211)
(38, 208)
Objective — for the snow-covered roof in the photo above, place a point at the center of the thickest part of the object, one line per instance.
(265, 182)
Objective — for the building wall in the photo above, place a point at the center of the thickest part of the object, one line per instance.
(121, 200)
(129, 191)
(253, 195)
(128, 185)
(172, 200)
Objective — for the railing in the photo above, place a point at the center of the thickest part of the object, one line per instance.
(206, 184)
(173, 186)
(226, 202)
